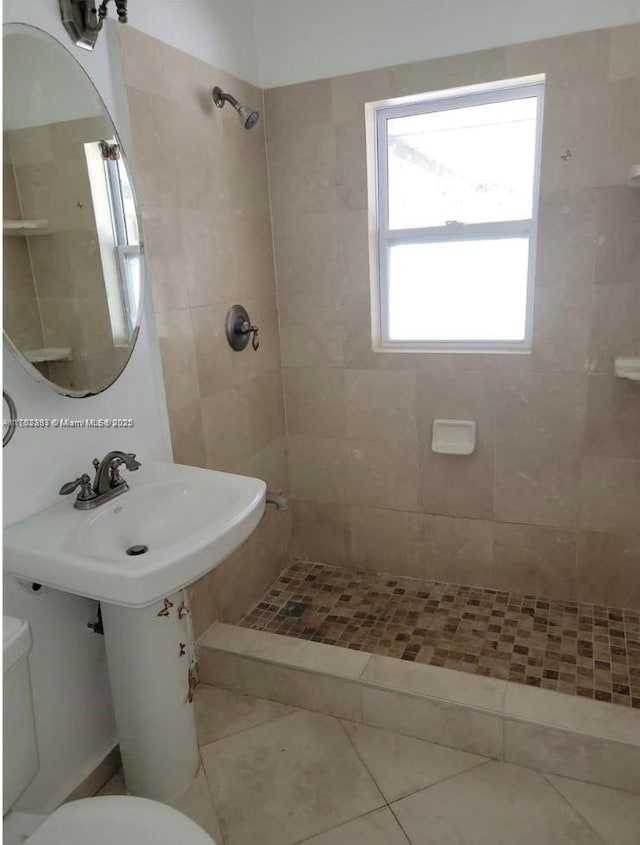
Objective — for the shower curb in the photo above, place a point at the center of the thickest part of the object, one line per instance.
(592, 741)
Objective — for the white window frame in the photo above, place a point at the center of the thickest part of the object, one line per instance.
(114, 251)
(381, 237)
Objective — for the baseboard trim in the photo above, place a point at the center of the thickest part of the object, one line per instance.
(96, 779)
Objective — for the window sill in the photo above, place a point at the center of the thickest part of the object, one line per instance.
(423, 349)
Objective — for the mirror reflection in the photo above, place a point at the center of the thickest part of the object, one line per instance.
(72, 248)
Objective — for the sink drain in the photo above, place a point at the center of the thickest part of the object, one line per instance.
(139, 549)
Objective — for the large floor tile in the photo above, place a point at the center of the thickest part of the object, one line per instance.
(494, 804)
(401, 765)
(196, 803)
(283, 782)
(377, 828)
(615, 815)
(220, 712)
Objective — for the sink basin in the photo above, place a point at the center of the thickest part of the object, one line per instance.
(189, 519)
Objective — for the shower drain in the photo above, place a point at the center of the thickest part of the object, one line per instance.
(138, 549)
(295, 608)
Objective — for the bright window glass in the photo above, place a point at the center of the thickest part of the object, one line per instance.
(456, 205)
(118, 237)
(471, 165)
(474, 290)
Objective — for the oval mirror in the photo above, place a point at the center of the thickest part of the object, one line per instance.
(73, 267)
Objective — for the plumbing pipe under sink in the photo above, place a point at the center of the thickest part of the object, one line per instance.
(278, 499)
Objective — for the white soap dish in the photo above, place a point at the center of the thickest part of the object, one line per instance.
(627, 368)
(454, 437)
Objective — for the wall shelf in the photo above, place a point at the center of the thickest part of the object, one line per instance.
(25, 228)
(48, 353)
(627, 368)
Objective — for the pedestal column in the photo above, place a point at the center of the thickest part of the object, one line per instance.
(148, 654)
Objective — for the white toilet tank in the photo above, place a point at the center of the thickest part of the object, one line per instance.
(20, 748)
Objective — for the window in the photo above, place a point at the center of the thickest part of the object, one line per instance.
(118, 236)
(453, 226)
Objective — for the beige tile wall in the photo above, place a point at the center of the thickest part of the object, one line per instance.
(21, 313)
(206, 220)
(51, 178)
(550, 501)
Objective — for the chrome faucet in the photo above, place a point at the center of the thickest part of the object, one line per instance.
(108, 472)
(107, 482)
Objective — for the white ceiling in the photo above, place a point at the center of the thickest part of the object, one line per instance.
(298, 40)
(279, 42)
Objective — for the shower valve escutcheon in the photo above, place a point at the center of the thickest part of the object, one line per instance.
(239, 329)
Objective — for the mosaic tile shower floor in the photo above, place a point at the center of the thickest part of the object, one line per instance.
(576, 648)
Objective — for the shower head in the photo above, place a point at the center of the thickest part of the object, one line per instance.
(248, 116)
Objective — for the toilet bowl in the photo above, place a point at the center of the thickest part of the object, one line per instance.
(117, 820)
(107, 820)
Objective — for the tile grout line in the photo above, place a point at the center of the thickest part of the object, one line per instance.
(360, 758)
(574, 809)
(399, 823)
(366, 666)
(485, 762)
(210, 794)
(503, 721)
(393, 804)
(416, 739)
(339, 825)
(293, 707)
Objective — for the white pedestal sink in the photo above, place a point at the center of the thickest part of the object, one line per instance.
(190, 520)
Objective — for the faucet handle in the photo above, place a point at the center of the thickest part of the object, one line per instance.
(84, 483)
(95, 463)
(114, 473)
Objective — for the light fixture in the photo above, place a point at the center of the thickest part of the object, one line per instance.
(83, 21)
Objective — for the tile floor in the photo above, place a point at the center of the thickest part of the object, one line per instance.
(576, 648)
(276, 775)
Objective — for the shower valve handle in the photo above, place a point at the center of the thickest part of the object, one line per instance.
(247, 328)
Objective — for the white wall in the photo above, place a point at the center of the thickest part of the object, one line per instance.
(298, 40)
(220, 32)
(72, 698)
(26, 101)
